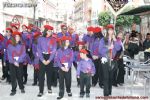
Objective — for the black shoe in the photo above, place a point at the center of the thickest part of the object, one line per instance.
(93, 85)
(3, 78)
(22, 91)
(121, 84)
(9, 82)
(87, 95)
(109, 93)
(115, 85)
(54, 85)
(40, 94)
(60, 97)
(12, 93)
(81, 95)
(25, 82)
(70, 94)
(49, 91)
(101, 86)
(34, 84)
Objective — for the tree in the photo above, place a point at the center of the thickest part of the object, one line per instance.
(104, 18)
(125, 21)
(137, 20)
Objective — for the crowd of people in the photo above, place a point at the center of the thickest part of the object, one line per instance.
(97, 57)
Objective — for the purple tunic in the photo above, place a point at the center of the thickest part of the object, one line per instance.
(86, 66)
(88, 40)
(6, 43)
(95, 47)
(77, 57)
(36, 59)
(104, 51)
(1, 47)
(27, 38)
(64, 56)
(47, 45)
(16, 53)
(60, 34)
(74, 39)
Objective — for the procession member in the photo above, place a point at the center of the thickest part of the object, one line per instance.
(64, 61)
(108, 47)
(77, 58)
(14, 27)
(7, 39)
(46, 50)
(74, 36)
(85, 71)
(27, 39)
(24, 28)
(35, 58)
(63, 31)
(98, 77)
(55, 75)
(16, 53)
(2, 55)
(88, 38)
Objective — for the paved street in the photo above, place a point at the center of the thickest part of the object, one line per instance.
(32, 91)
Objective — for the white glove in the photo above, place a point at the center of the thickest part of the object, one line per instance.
(29, 50)
(16, 58)
(104, 60)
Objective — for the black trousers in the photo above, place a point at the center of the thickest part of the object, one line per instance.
(121, 71)
(45, 69)
(6, 70)
(85, 80)
(107, 72)
(3, 68)
(64, 76)
(25, 74)
(16, 74)
(36, 75)
(54, 76)
(99, 73)
(76, 65)
(114, 72)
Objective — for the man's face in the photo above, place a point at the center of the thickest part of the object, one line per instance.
(82, 55)
(110, 32)
(14, 29)
(17, 37)
(8, 33)
(64, 29)
(120, 35)
(148, 37)
(24, 28)
(49, 32)
(80, 47)
(90, 32)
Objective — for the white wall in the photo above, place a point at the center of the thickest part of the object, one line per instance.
(97, 7)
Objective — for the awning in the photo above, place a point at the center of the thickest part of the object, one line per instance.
(138, 11)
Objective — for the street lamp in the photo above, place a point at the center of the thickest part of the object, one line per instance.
(34, 2)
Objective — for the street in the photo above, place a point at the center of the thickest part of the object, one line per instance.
(32, 91)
